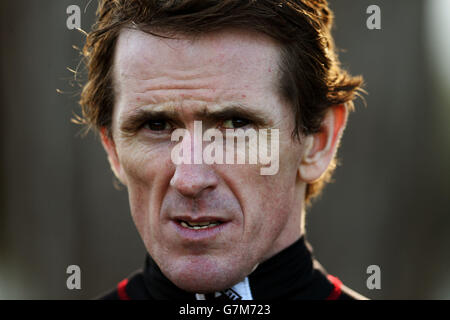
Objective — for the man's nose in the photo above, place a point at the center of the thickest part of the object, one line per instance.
(190, 180)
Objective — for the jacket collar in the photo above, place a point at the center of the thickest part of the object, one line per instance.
(290, 274)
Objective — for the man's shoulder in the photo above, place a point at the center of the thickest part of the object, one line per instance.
(130, 288)
(349, 294)
(339, 291)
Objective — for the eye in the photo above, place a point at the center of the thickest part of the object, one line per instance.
(157, 125)
(235, 123)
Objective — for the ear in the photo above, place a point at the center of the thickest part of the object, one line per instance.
(110, 148)
(320, 148)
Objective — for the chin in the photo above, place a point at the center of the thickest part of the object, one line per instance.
(200, 275)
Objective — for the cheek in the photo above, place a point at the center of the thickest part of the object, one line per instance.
(141, 162)
(148, 171)
(267, 201)
(274, 198)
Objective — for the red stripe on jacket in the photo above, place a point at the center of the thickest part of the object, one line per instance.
(336, 293)
(121, 290)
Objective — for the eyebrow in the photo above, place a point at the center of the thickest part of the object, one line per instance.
(136, 119)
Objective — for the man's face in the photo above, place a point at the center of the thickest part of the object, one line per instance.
(164, 84)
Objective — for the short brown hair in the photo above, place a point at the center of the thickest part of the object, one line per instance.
(312, 79)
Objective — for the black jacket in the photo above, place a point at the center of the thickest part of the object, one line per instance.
(292, 274)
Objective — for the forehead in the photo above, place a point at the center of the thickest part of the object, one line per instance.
(231, 59)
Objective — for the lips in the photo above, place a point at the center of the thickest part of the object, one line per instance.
(198, 228)
(199, 225)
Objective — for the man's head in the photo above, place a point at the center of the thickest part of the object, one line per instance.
(155, 66)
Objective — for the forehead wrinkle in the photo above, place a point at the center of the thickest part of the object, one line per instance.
(139, 57)
(224, 50)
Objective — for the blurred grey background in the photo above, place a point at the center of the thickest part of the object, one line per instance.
(389, 204)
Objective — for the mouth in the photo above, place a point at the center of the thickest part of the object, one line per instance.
(199, 228)
(199, 225)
